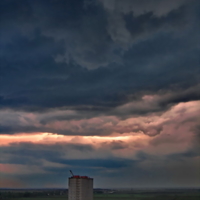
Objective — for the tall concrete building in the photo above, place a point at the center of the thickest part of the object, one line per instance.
(80, 188)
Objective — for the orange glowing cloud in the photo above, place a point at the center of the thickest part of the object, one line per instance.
(7, 168)
(48, 138)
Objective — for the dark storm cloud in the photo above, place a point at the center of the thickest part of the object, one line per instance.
(188, 154)
(33, 154)
(26, 153)
(144, 168)
(18, 129)
(105, 163)
(117, 145)
(47, 47)
(148, 22)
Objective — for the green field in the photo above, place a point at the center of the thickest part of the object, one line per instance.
(122, 195)
(147, 197)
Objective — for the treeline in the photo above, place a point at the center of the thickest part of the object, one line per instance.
(41, 193)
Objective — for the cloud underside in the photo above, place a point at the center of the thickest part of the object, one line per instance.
(106, 87)
(99, 59)
(143, 147)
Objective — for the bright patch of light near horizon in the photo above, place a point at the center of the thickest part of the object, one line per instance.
(52, 138)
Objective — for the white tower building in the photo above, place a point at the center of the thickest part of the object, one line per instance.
(80, 188)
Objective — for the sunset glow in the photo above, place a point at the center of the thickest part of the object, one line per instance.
(47, 138)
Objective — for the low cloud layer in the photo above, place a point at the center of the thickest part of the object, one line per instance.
(105, 144)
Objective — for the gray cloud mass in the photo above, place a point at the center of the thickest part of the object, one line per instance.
(122, 78)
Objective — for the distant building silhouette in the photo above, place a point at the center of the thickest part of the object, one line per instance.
(80, 188)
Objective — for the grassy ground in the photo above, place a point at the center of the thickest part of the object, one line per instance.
(121, 197)
(147, 197)
(118, 196)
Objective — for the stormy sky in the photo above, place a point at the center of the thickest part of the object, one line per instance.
(106, 88)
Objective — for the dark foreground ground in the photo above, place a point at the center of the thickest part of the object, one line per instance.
(103, 194)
